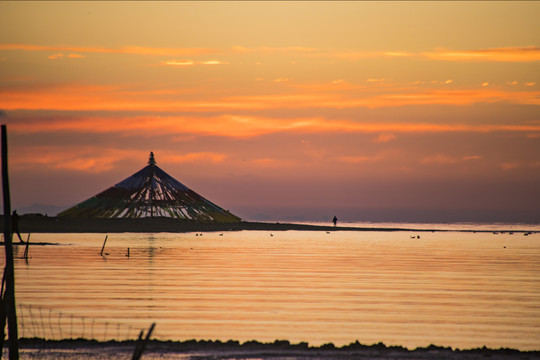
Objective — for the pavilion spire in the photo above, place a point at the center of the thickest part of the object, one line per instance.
(151, 160)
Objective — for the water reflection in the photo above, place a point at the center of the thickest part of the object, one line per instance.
(452, 289)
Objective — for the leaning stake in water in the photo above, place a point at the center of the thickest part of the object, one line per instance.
(25, 256)
(104, 242)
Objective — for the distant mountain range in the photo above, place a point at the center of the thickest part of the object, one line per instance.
(50, 210)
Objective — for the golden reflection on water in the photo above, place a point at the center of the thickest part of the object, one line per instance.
(447, 288)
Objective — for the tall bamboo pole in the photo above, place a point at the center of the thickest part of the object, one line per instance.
(10, 270)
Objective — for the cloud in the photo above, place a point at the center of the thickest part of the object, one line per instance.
(269, 49)
(74, 97)
(134, 50)
(193, 157)
(191, 62)
(236, 125)
(509, 166)
(179, 63)
(355, 159)
(457, 97)
(383, 138)
(502, 54)
(363, 159)
(471, 157)
(397, 54)
(374, 80)
(213, 62)
(97, 160)
(61, 55)
(81, 158)
(529, 84)
(505, 54)
(440, 159)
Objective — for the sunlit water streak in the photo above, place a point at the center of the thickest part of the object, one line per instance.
(454, 289)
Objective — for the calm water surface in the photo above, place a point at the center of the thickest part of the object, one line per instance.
(456, 289)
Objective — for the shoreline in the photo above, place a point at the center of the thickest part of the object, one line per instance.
(36, 223)
(279, 349)
(45, 224)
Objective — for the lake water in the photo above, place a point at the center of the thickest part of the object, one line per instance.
(458, 289)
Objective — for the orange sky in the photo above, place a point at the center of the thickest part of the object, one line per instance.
(280, 110)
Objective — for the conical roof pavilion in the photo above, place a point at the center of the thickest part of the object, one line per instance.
(150, 192)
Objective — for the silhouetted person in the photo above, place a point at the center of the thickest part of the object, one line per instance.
(15, 225)
(334, 220)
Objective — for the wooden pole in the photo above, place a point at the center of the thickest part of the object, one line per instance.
(3, 314)
(11, 309)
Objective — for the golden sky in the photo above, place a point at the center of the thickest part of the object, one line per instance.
(278, 108)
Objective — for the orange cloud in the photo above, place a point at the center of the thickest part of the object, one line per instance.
(97, 160)
(241, 126)
(192, 157)
(374, 80)
(340, 96)
(506, 54)
(354, 55)
(471, 157)
(363, 159)
(179, 63)
(271, 50)
(397, 54)
(191, 62)
(60, 56)
(509, 166)
(355, 159)
(213, 62)
(134, 50)
(458, 97)
(440, 159)
(80, 158)
(383, 138)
